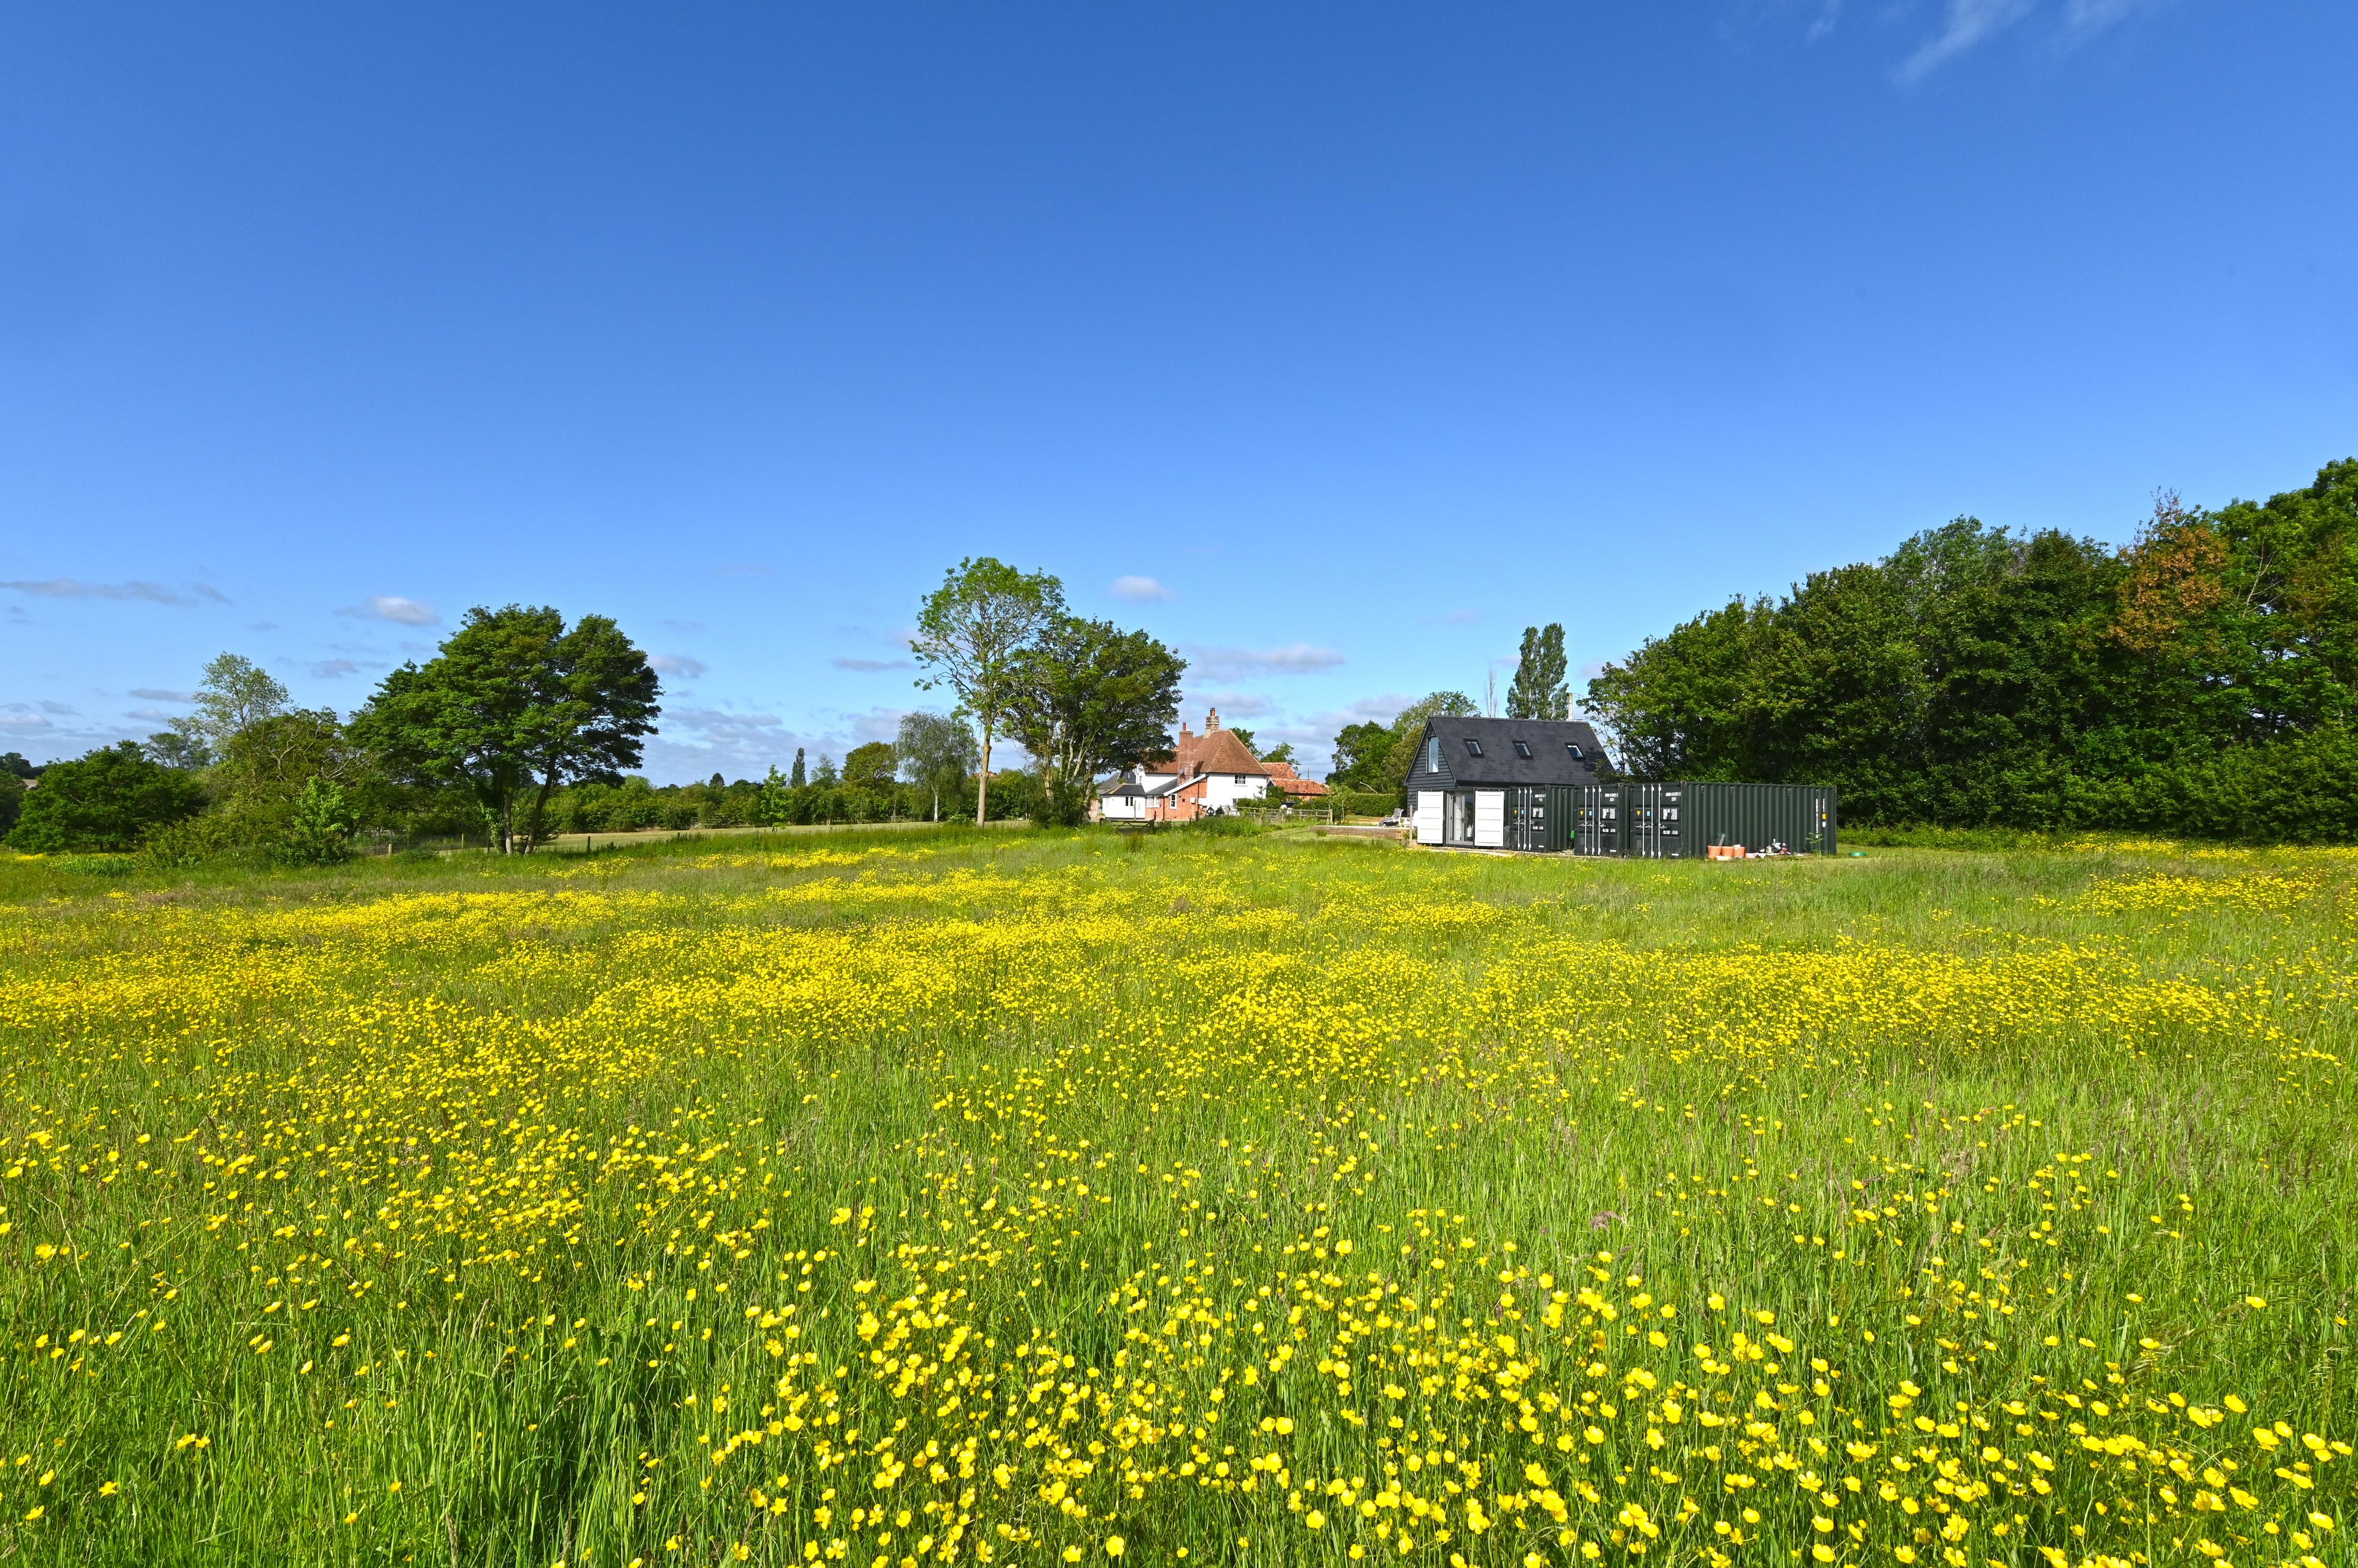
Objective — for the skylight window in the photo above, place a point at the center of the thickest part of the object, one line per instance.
(1472, 747)
(1522, 749)
(1573, 748)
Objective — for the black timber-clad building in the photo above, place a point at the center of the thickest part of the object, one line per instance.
(1470, 777)
(1546, 785)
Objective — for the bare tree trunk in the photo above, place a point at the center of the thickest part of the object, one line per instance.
(982, 779)
(507, 825)
(539, 804)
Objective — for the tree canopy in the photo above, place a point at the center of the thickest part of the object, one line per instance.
(1088, 699)
(972, 633)
(871, 766)
(936, 752)
(1539, 690)
(2202, 678)
(1359, 753)
(107, 800)
(516, 703)
(235, 693)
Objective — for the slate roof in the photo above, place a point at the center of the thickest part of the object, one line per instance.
(1499, 764)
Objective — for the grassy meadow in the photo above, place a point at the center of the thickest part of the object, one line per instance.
(1242, 1198)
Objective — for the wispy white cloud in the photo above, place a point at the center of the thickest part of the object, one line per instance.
(1378, 710)
(2082, 17)
(333, 669)
(393, 607)
(680, 664)
(714, 720)
(1233, 663)
(1231, 704)
(158, 694)
(872, 667)
(1139, 588)
(149, 715)
(877, 724)
(146, 593)
(1967, 24)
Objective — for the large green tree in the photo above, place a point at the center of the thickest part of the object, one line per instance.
(1090, 697)
(1539, 690)
(936, 752)
(235, 693)
(269, 767)
(1359, 753)
(2201, 679)
(109, 799)
(512, 706)
(871, 767)
(972, 634)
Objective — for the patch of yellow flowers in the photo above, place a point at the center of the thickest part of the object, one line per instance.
(914, 1209)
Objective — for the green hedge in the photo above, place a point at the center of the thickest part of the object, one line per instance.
(1365, 803)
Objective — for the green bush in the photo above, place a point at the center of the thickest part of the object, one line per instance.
(1364, 803)
(108, 800)
(1064, 803)
(319, 830)
(176, 845)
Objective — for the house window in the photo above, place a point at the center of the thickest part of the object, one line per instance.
(1472, 747)
(1574, 750)
(1433, 755)
(1522, 749)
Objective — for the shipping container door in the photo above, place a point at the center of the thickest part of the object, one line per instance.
(1428, 815)
(1639, 803)
(1600, 821)
(1490, 820)
(1671, 822)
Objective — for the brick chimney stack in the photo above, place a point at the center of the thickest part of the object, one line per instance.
(1211, 721)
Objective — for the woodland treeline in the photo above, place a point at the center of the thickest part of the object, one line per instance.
(2202, 679)
(524, 726)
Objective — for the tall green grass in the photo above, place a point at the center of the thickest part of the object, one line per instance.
(1116, 1011)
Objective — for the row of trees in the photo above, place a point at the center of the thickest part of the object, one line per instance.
(1084, 697)
(516, 706)
(2202, 679)
(522, 725)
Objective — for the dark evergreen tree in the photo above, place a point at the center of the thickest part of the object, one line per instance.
(1539, 690)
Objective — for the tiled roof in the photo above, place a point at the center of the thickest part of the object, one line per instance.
(1214, 752)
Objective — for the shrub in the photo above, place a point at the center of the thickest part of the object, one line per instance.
(176, 845)
(319, 830)
(108, 800)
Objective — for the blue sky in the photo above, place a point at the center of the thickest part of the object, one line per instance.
(1333, 344)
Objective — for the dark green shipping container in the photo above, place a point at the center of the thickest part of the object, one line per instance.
(1678, 821)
